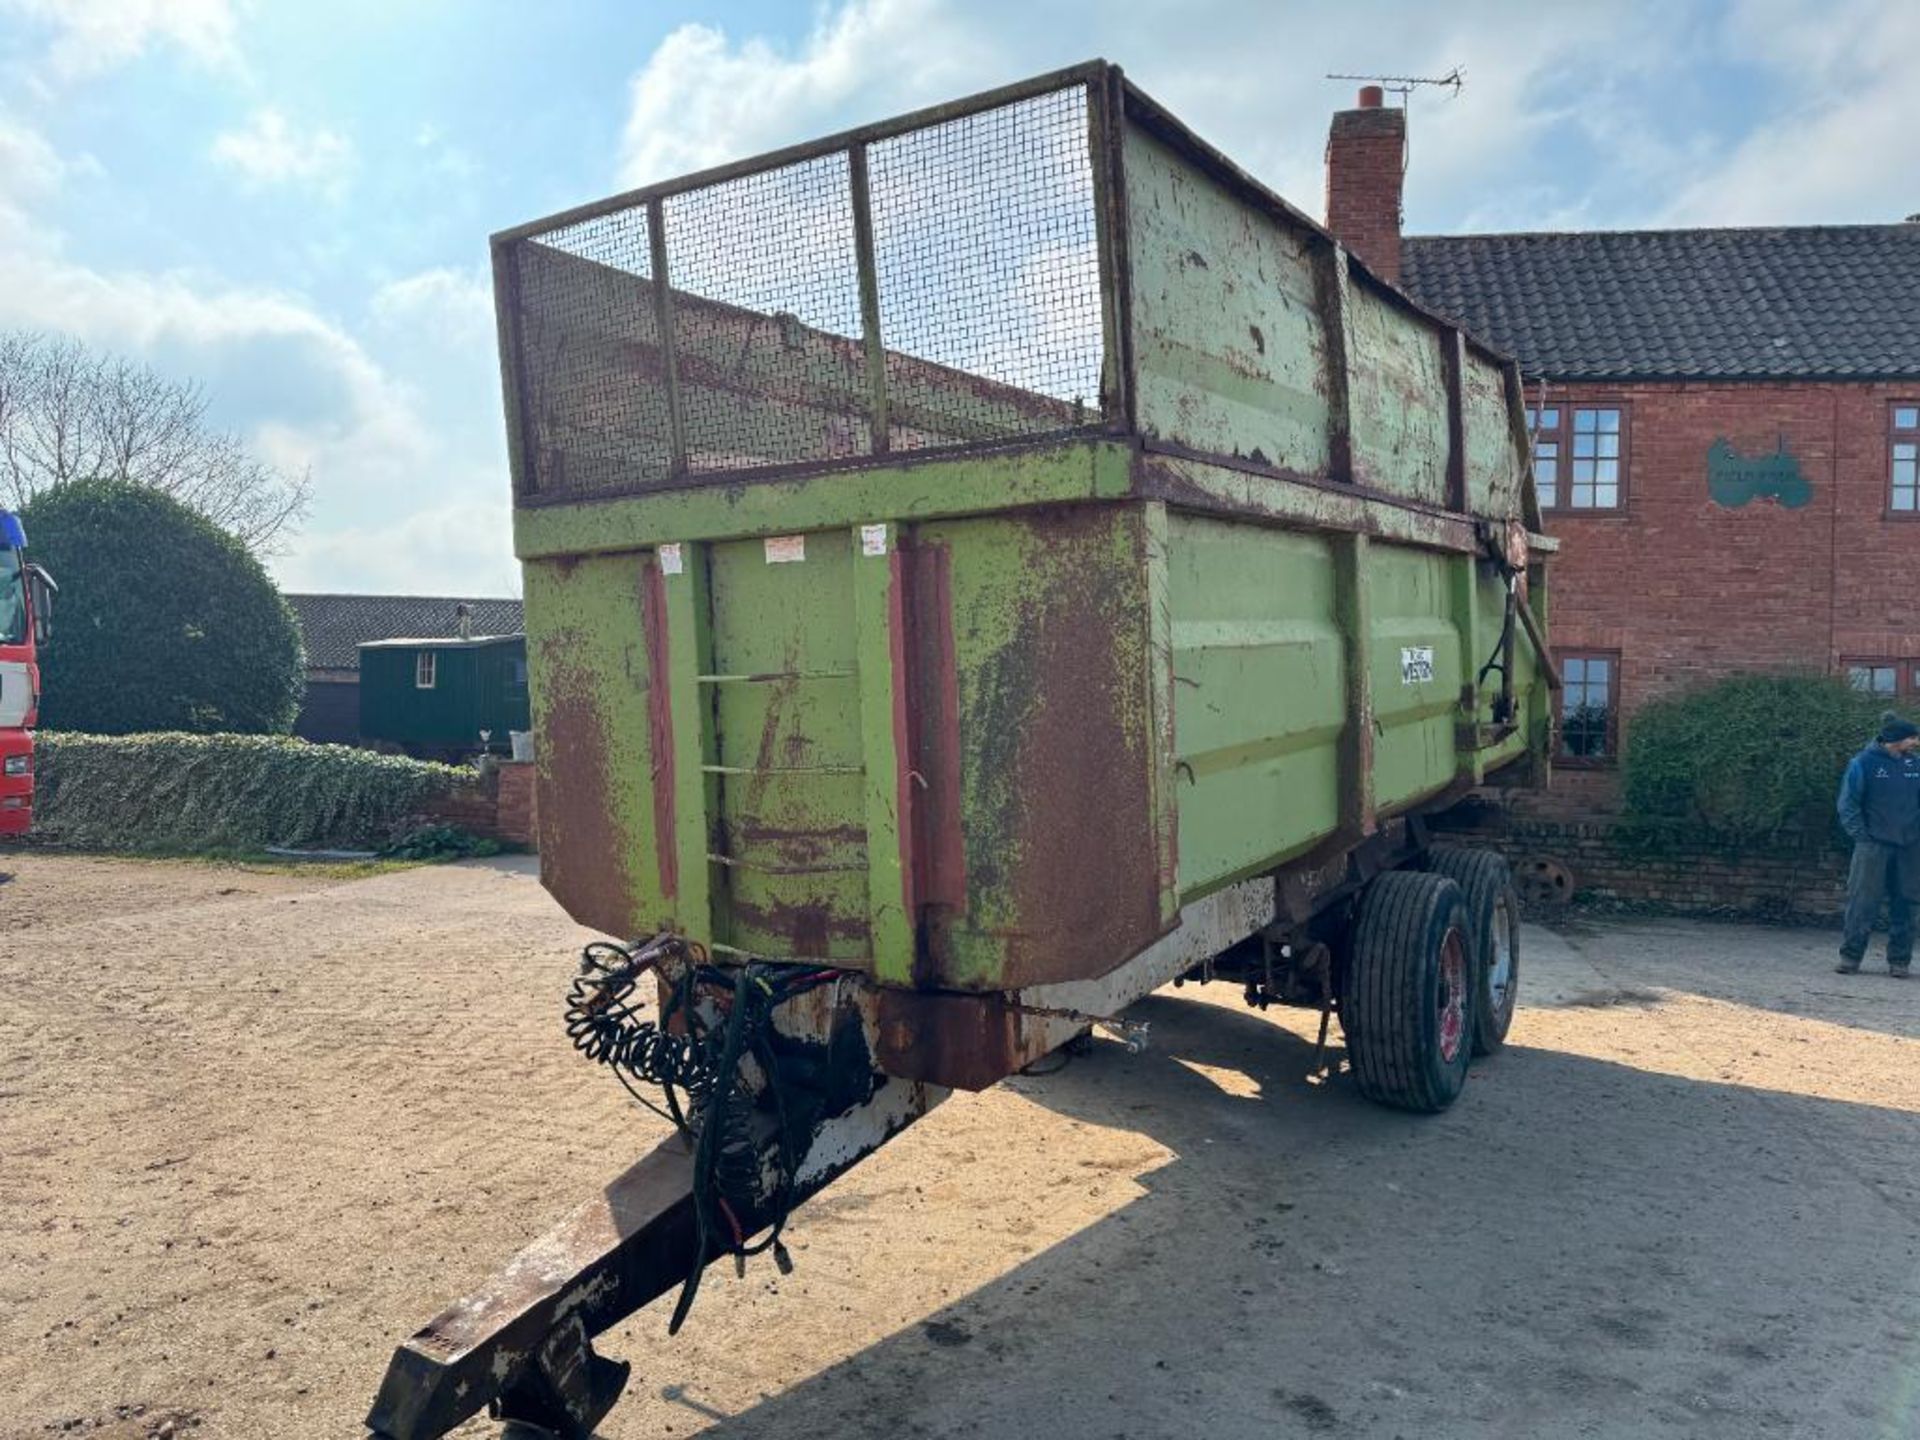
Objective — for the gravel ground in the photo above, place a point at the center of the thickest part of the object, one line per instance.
(256, 1128)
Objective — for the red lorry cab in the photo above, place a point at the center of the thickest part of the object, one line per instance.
(26, 594)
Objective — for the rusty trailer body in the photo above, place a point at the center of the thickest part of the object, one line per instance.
(1006, 557)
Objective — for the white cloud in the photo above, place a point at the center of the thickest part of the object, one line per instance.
(268, 150)
(1840, 148)
(701, 99)
(443, 155)
(458, 549)
(29, 166)
(449, 305)
(92, 37)
(1252, 79)
(307, 394)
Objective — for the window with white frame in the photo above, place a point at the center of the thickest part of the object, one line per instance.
(1903, 496)
(424, 669)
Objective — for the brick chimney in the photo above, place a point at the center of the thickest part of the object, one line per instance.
(1366, 162)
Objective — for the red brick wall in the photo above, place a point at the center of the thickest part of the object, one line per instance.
(1366, 164)
(515, 817)
(1685, 874)
(499, 806)
(1690, 591)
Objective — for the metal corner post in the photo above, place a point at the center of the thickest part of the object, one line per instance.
(506, 303)
(663, 318)
(1106, 131)
(862, 195)
(1336, 320)
(1453, 366)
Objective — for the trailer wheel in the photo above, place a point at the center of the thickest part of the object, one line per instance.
(1493, 916)
(1408, 992)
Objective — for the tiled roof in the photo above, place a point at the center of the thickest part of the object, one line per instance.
(1815, 302)
(333, 626)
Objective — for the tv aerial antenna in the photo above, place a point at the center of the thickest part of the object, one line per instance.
(1453, 82)
(1404, 85)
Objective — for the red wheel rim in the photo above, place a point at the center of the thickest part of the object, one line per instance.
(1453, 995)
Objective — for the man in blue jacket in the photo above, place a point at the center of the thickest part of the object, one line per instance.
(1880, 809)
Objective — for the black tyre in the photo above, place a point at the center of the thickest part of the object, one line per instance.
(1407, 999)
(1493, 920)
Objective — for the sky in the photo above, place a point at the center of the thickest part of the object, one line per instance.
(290, 202)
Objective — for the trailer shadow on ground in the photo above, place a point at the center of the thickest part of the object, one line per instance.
(1579, 1247)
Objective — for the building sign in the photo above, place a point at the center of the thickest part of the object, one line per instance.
(1734, 479)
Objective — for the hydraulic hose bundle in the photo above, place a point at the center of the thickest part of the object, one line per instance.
(698, 1066)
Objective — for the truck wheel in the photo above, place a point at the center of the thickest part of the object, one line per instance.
(1409, 991)
(1493, 917)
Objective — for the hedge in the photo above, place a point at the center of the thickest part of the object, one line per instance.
(180, 792)
(1752, 761)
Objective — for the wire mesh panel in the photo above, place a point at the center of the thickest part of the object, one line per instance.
(766, 318)
(592, 368)
(946, 274)
(986, 247)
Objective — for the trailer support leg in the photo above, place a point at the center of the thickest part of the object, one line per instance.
(521, 1345)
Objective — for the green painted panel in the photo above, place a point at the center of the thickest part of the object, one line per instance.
(1259, 695)
(679, 589)
(722, 509)
(1057, 745)
(1417, 673)
(785, 698)
(1495, 469)
(1229, 348)
(1397, 391)
(587, 658)
(880, 643)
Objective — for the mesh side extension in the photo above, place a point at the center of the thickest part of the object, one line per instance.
(592, 369)
(984, 289)
(766, 319)
(987, 255)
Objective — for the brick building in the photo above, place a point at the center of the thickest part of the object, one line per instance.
(1727, 429)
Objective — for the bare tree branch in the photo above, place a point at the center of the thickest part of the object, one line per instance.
(68, 413)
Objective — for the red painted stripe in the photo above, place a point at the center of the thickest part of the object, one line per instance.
(940, 846)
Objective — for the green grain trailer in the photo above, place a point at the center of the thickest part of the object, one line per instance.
(434, 698)
(981, 567)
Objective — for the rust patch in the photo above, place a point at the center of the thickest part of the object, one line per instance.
(939, 848)
(806, 928)
(1066, 711)
(792, 846)
(966, 1041)
(653, 610)
(584, 855)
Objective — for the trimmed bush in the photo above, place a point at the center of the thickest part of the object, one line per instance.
(1751, 759)
(164, 621)
(178, 792)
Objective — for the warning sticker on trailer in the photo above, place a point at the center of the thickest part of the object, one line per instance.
(1416, 664)
(786, 549)
(670, 561)
(873, 539)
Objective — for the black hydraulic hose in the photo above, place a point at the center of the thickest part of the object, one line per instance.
(706, 1149)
